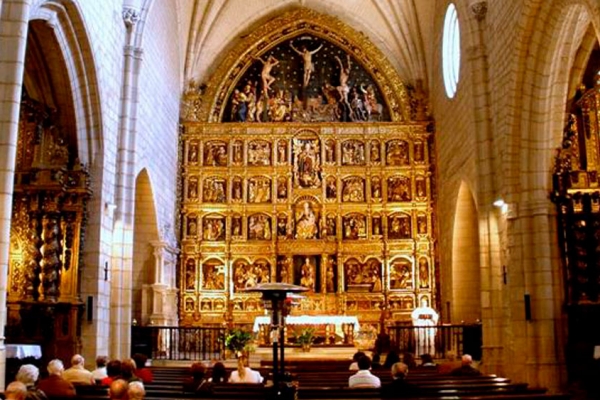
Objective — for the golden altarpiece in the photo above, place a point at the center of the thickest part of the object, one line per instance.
(306, 160)
(51, 190)
(576, 192)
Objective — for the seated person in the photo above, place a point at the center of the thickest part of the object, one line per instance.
(141, 371)
(409, 360)
(219, 373)
(77, 374)
(54, 385)
(128, 370)
(355, 357)
(136, 391)
(391, 359)
(376, 361)
(244, 374)
(450, 364)
(363, 378)
(28, 375)
(118, 389)
(113, 370)
(15, 391)
(427, 362)
(100, 372)
(466, 368)
(197, 382)
(399, 387)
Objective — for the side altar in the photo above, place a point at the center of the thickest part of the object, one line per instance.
(306, 160)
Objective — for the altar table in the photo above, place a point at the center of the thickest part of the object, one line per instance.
(336, 320)
(21, 351)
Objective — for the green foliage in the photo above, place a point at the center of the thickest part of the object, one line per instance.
(237, 339)
(305, 336)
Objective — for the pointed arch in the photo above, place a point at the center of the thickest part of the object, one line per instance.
(466, 277)
(291, 24)
(145, 232)
(64, 20)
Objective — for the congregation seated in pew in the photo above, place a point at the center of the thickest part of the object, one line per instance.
(364, 378)
(244, 374)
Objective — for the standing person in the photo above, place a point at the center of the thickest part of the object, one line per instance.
(425, 320)
(245, 374)
(77, 374)
(55, 386)
(306, 55)
(364, 378)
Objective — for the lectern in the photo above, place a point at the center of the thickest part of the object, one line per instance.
(274, 296)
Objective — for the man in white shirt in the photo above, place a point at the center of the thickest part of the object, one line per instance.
(363, 378)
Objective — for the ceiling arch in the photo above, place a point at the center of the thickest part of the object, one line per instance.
(396, 28)
(293, 23)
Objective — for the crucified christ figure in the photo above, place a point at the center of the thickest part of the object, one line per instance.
(306, 55)
(265, 74)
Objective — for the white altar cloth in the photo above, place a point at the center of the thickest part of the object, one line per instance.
(336, 320)
(21, 351)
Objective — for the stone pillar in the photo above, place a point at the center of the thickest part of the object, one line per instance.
(13, 41)
(159, 300)
(122, 257)
(534, 269)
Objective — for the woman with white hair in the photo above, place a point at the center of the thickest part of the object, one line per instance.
(28, 375)
(136, 390)
(55, 386)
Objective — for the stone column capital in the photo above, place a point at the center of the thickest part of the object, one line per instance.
(479, 9)
(130, 16)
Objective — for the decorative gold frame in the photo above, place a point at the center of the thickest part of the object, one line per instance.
(290, 24)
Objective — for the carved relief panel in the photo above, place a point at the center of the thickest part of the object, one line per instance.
(213, 275)
(215, 154)
(276, 198)
(302, 183)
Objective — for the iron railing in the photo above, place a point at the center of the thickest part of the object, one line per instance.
(206, 343)
(178, 343)
(437, 340)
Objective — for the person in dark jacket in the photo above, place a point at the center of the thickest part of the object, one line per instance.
(197, 383)
(54, 385)
(399, 387)
(466, 369)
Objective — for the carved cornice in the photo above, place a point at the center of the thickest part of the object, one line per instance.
(289, 25)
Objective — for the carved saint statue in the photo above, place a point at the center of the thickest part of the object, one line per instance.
(306, 223)
(308, 275)
(308, 163)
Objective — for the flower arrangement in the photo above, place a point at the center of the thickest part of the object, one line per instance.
(305, 337)
(238, 340)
